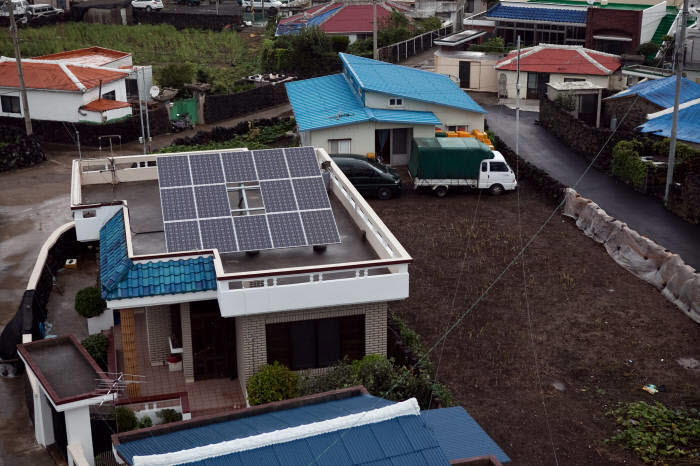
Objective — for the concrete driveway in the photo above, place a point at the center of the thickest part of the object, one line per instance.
(643, 213)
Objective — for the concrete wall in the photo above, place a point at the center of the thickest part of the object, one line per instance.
(251, 345)
(482, 75)
(615, 81)
(158, 327)
(651, 17)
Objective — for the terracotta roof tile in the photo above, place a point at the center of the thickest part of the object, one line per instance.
(561, 59)
(102, 105)
(96, 55)
(51, 75)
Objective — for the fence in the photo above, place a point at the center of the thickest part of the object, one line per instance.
(402, 50)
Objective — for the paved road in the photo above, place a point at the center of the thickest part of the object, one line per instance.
(643, 213)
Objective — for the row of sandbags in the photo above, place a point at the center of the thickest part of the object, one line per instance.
(678, 282)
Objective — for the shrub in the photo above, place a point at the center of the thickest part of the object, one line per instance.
(648, 49)
(340, 43)
(96, 346)
(494, 44)
(567, 101)
(145, 422)
(89, 302)
(126, 419)
(176, 75)
(169, 415)
(273, 382)
(627, 165)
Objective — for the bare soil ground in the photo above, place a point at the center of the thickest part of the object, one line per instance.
(593, 332)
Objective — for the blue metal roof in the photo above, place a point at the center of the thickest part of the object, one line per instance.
(121, 278)
(328, 101)
(662, 91)
(688, 124)
(553, 15)
(411, 83)
(460, 436)
(299, 23)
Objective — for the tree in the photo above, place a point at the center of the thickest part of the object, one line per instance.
(308, 53)
(648, 49)
(176, 75)
(96, 346)
(89, 302)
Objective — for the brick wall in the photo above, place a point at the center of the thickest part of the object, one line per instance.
(605, 21)
(250, 333)
(187, 359)
(158, 329)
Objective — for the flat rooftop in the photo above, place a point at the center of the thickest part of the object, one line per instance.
(148, 237)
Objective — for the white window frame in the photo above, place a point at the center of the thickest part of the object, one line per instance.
(336, 143)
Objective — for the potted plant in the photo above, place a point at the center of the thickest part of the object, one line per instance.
(174, 362)
(89, 304)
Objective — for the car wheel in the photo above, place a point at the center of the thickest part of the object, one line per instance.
(384, 193)
(148, 9)
(441, 191)
(496, 189)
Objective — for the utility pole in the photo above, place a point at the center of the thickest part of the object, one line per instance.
(680, 58)
(22, 89)
(375, 53)
(139, 86)
(145, 96)
(517, 104)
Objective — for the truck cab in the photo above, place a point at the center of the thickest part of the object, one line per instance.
(496, 176)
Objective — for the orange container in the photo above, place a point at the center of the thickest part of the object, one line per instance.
(452, 134)
(464, 134)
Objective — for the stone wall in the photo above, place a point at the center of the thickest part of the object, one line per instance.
(251, 340)
(684, 198)
(17, 150)
(182, 20)
(158, 325)
(225, 106)
(637, 115)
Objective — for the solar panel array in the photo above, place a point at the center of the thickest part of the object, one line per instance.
(194, 193)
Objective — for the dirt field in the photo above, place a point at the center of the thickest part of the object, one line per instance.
(598, 334)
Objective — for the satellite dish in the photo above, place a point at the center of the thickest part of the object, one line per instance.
(154, 91)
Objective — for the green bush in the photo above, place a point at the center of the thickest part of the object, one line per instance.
(340, 43)
(627, 164)
(648, 49)
(273, 382)
(96, 346)
(169, 415)
(126, 419)
(657, 434)
(145, 422)
(494, 44)
(684, 152)
(89, 302)
(176, 75)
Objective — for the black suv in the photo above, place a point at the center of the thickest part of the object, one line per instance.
(369, 177)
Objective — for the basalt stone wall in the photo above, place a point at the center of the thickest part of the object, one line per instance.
(221, 134)
(225, 106)
(635, 108)
(17, 150)
(684, 198)
(184, 20)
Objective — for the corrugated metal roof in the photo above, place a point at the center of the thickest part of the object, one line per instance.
(662, 91)
(460, 436)
(121, 278)
(338, 18)
(328, 101)
(411, 83)
(688, 124)
(553, 15)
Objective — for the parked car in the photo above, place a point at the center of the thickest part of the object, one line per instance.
(148, 5)
(41, 10)
(272, 7)
(369, 177)
(19, 7)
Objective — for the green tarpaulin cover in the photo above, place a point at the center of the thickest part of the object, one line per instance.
(441, 158)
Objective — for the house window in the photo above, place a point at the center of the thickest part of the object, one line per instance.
(309, 344)
(395, 102)
(245, 198)
(463, 128)
(573, 80)
(451, 128)
(111, 95)
(10, 104)
(339, 146)
(89, 213)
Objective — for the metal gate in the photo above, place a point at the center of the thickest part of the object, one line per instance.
(188, 106)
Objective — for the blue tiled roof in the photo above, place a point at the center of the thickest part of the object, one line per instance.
(411, 83)
(662, 91)
(460, 436)
(328, 101)
(553, 15)
(688, 124)
(121, 278)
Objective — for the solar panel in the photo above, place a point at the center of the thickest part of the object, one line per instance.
(182, 236)
(320, 227)
(302, 161)
(218, 233)
(173, 171)
(238, 166)
(252, 233)
(206, 169)
(311, 193)
(278, 196)
(270, 164)
(177, 204)
(286, 230)
(212, 201)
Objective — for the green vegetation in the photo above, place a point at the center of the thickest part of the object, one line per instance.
(96, 346)
(627, 164)
(169, 415)
(566, 101)
(273, 382)
(648, 49)
(158, 45)
(126, 419)
(311, 52)
(657, 434)
(493, 45)
(89, 302)
(145, 422)
(396, 28)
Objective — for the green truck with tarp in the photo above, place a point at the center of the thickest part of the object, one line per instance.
(443, 163)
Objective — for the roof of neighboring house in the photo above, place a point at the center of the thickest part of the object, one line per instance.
(338, 18)
(562, 59)
(121, 278)
(611, 6)
(688, 122)
(55, 75)
(102, 105)
(98, 56)
(411, 83)
(532, 13)
(342, 427)
(662, 91)
(328, 101)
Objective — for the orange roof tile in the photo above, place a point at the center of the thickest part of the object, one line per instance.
(90, 55)
(40, 75)
(546, 58)
(102, 105)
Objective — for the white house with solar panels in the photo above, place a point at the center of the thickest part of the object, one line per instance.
(376, 107)
(215, 263)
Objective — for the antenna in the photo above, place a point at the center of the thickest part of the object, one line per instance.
(115, 383)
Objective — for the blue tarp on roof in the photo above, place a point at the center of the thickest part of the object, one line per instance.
(294, 26)
(662, 91)
(688, 124)
(553, 15)
(328, 101)
(460, 436)
(411, 83)
(121, 278)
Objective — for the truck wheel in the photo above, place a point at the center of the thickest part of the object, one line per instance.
(441, 191)
(384, 193)
(496, 189)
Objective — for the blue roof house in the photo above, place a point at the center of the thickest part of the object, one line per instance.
(378, 107)
(688, 130)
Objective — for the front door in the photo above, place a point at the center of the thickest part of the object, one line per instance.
(382, 145)
(213, 341)
(464, 72)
